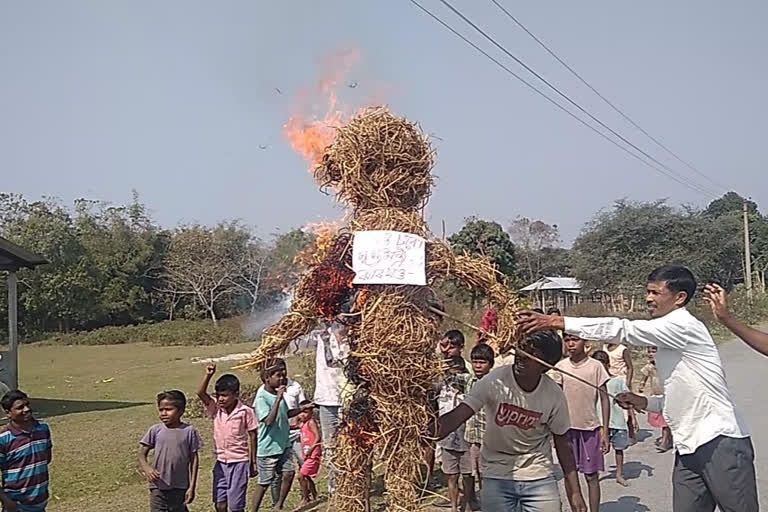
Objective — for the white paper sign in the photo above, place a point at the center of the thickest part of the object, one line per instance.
(388, 257)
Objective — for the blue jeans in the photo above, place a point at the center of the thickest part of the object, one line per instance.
(521, 496)
(330, 417)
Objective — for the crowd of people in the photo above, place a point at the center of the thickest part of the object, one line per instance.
(499, 419)
(588, 407)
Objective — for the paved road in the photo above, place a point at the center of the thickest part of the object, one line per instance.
(650, 473)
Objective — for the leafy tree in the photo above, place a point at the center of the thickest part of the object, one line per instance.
(119, 245)
(59, 295)
(285, 261)
(731, 202)
(487, 238)
(199, 264)
(250, 273)
(620, 246)
(728, 210)
(533, 237)
(555, 261)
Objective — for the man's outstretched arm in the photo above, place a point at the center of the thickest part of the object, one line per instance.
(647, 333)
(715, 295)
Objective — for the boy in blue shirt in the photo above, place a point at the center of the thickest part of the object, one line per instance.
(618, 430)
(274, 452)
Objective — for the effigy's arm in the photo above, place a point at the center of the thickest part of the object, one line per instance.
(478, 274)
(318, 294)
(276, 338)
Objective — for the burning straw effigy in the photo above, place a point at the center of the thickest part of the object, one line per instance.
(380, 167)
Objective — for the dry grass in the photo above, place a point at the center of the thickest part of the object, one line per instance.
(378, 160)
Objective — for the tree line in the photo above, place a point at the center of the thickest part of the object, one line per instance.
(619, 246)
(114, 265)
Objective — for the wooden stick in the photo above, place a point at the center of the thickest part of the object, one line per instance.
(491, 335)
(517, 350)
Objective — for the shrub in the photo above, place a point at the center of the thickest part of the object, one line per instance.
(168, 333)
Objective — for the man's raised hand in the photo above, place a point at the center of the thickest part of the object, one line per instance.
(717, 299)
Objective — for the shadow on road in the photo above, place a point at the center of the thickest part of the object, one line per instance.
(624, 504)
(47, 407)
(643, 434)
(632, 470)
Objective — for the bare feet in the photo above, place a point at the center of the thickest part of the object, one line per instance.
(620, 480)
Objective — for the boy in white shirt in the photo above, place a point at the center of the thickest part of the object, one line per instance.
(526, 410)
(455, 457)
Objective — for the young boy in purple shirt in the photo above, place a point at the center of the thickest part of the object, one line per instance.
(172, 476)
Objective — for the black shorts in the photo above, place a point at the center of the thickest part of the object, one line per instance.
(721, 472)
(171, 500)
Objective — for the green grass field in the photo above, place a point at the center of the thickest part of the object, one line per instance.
(99, 401)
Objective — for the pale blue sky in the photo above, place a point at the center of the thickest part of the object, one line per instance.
(174, 98)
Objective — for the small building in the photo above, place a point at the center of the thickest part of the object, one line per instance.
(558, 292)
(12, 259)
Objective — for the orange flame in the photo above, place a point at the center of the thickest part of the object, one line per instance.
(361, 298)
(310, 137)
(325, 231)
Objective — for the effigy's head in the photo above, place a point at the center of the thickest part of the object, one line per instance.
(378, 160)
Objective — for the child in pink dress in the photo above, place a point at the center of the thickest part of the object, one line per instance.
(312, 452)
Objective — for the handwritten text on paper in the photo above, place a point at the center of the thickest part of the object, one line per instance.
(388, 257)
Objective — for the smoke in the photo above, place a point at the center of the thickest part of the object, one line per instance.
(256, 323)
(260, 320)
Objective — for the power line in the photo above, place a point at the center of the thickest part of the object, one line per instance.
(571, 101)
(606, 100)
(555, 103)
(688, 182)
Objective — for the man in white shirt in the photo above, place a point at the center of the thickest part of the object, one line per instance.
(714, 461)
(332, 349)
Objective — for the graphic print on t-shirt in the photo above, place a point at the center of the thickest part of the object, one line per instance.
(510, 414)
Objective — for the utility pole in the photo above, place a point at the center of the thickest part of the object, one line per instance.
(747, 255)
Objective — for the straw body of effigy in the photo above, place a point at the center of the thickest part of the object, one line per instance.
(380, 167)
